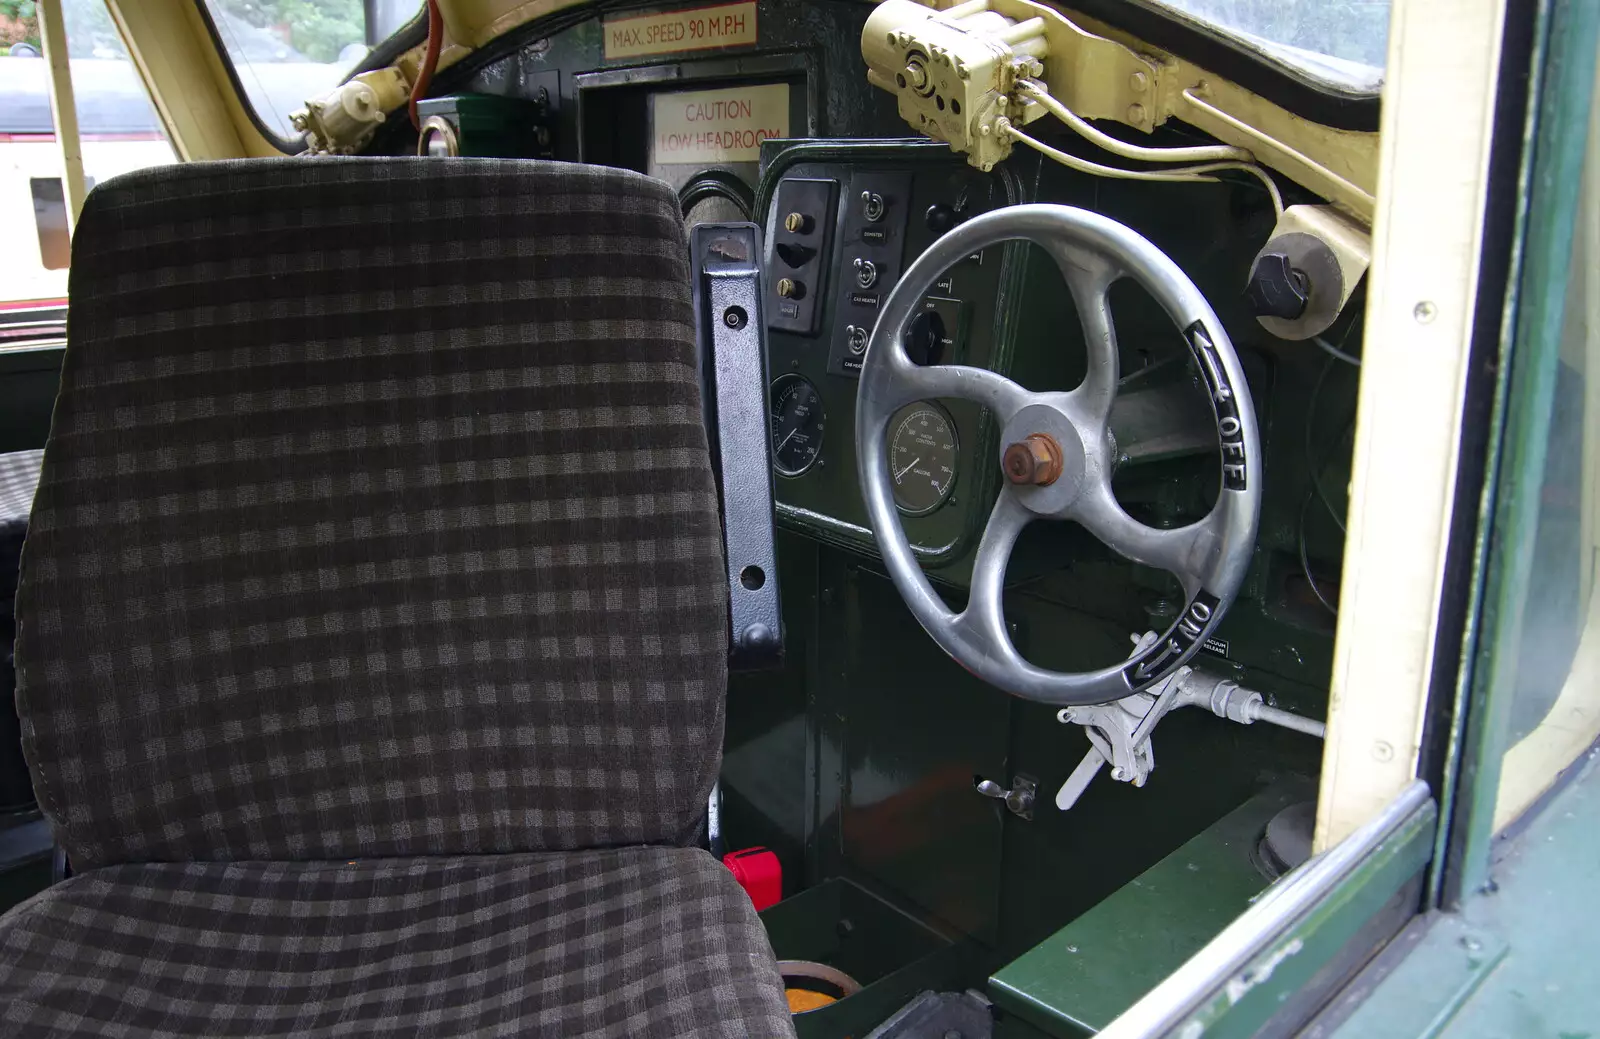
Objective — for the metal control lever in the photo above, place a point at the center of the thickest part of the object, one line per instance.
(733, 348)
(1019, 799)
(1119, 732)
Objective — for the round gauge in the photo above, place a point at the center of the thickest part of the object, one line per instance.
(796, 409)
(922, 457)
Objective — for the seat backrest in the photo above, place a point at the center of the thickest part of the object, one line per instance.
(376, 518)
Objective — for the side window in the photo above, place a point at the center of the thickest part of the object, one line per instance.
(118, 129)
(1555, 706)
(287, 52)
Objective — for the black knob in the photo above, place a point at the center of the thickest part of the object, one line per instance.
(925, 338)
(940, 218)
(1277, 289)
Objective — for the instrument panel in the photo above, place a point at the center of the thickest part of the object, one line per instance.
(843, 220)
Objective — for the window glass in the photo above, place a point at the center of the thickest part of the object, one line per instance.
(118, 129)
(288, 52)
(1341, 42)
(1555, 706)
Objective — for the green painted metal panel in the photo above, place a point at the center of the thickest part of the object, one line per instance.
(1078, 980)
(1254, 995)
(1564, 64)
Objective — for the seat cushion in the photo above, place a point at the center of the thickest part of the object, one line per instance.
(625, 942)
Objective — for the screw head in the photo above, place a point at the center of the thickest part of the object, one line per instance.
(1425, 312)
(795, 223)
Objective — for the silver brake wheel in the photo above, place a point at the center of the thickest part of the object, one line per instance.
(1057, 452)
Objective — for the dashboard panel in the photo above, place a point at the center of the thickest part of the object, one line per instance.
(843, 220)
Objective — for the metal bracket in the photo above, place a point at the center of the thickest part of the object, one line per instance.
(1019, 799)
(733, 349)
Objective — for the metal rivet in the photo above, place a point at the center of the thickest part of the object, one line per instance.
(734, 317)
(1135, 113)
(1424, 312)
(1137, 82)
(1382, 751)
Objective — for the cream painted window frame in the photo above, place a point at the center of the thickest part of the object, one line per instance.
(1435, 139)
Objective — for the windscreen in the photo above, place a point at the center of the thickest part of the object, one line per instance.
(1339, 42)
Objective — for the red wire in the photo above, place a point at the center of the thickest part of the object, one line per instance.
(430, 59)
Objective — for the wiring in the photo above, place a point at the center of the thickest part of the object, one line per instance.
(1207, 153)
(430, 60)
(1334, 352)
(1313, 464)
(1180, 174)
(1305, 561)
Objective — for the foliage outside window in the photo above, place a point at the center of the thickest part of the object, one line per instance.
(288, 52)
(1341, 42)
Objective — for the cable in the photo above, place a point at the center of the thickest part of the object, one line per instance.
(1333, 351)
(1305, 561)
(714, 183)
(430, 60)
(1191, 174)
(1208, 153)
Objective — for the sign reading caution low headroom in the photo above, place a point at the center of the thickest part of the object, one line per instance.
(709, 126)
(670, 32)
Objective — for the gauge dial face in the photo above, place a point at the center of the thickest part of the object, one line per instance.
(796, 410)
(922, 457)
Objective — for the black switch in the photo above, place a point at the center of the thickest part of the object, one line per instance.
(925, 338)
(1277, 289)
(940, 218)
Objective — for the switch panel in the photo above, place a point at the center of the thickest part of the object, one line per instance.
(797, 266)
(872, 239)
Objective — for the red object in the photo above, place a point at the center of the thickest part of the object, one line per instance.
(758, 872)
(430, 59)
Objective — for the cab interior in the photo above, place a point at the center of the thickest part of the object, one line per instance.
(1029, 627)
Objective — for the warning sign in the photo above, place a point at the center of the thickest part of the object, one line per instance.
(726, 25)
(707, 126)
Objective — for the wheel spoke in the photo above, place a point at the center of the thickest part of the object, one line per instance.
(1089, 277)
(911, 382)
(1189, 552)
(984, 615)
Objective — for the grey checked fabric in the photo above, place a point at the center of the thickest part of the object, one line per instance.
(376, 519)
(624, 943)
(19, 476)
(371, 622)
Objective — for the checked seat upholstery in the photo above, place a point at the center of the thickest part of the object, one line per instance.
(371, 626)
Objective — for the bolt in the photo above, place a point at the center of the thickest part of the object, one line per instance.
(1382, 751)
(734, 317)
(1471, 944)
(1137, 82)
(1136, 113)
(796, 223)
(1035, 460)
(1425, 312)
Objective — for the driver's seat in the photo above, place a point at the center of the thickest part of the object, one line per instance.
(372, 632)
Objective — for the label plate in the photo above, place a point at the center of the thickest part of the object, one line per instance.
(701, 127)
(671, 32)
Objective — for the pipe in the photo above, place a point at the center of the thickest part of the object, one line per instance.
(1288, 720)
(63, 108)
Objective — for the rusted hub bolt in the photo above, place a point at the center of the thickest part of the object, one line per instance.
(1036, 461)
